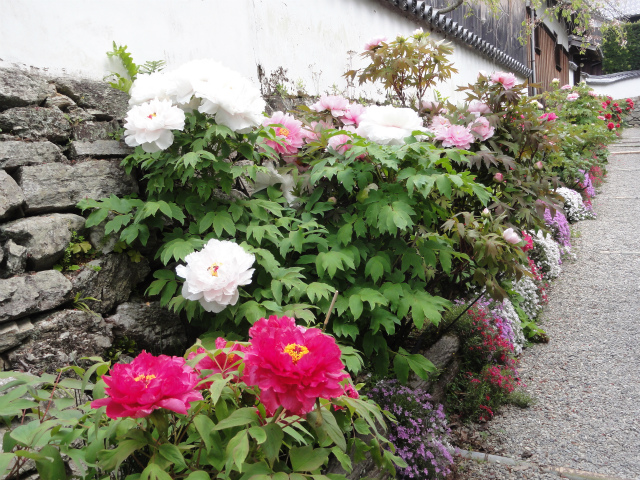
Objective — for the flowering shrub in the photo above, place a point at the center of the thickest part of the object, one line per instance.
(421, 433)
(160, 423)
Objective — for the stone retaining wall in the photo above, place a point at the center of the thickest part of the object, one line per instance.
(56, 148)
(633, 119)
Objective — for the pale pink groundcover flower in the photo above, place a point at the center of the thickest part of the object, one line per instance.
(290, 133)
(508, 80)
(149, 125)
(456, 136)
(336, 104)
(483, 128)
(573, 96)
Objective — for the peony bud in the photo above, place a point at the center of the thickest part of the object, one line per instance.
(538, 165)
(486, 213)
(510, 236)
(332, 200)
(498, 177)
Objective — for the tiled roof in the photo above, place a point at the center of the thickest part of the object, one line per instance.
(611, 78)
(442, 23)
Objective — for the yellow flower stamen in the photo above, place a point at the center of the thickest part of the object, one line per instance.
(152, 115)
(295, 351)
(145, 378)
(213, 269)
(283, 132)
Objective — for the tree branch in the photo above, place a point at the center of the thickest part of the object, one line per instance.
(451, 7)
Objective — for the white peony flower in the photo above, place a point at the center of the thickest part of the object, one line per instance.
(388, 125)
(147, 87)
(190, 76)
(213, 275)
(286, 181)
(510, 236)
(150, 125)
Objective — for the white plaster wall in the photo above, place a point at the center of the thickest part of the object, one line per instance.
(623, 89)
(316, 41)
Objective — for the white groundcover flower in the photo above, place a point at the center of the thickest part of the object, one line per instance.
(213, 275)
(150, 125)
(388, 125)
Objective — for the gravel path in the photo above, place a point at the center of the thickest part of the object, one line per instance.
(587, 379)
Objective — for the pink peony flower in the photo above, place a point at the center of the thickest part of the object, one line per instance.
(510, 236)
(292, 365)
(456, 136)
(353, 113)
(600, 117)
(439, 124)
(483, 128)
(312, 132)
(573, 96)
(538, 165)
(148, 383)
(508, 80)
(498, 177)
(592, 93)
(351, 392)
(565, 87)
(290, 133)
(223, 363)
(549, 117)
(375, 42)
(478, 108)
(336, 104)
(340, 143)
(431, 106)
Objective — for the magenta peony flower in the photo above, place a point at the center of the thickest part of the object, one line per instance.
(510, 236)
(549, 117)
(292, 365)
(483, 128)
(573, 96)
(456, 136)
(478, 108)
(375, 42)
(508, 80)
(223, 363)
(353, 113)
(336, 104)
(148, 383)
(290, 133)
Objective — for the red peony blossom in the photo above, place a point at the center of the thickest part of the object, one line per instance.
(610, 126)
(292, 365)
(223, 363)
(140, 387)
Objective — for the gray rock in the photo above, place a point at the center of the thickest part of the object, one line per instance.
(96, 95)
(78, 116)
(19, 88)
(61, 338)
(1, 254)
(15, 154)
(110, 279)
(90, 131)
(101, 242)
(58, 100)
(27, 294)
(13, 333)
(54, 186)
(99, 149)
(11, 197)
(45, 237)
(16, 263)
(151, 326)
(443, 356)
(36, 123)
